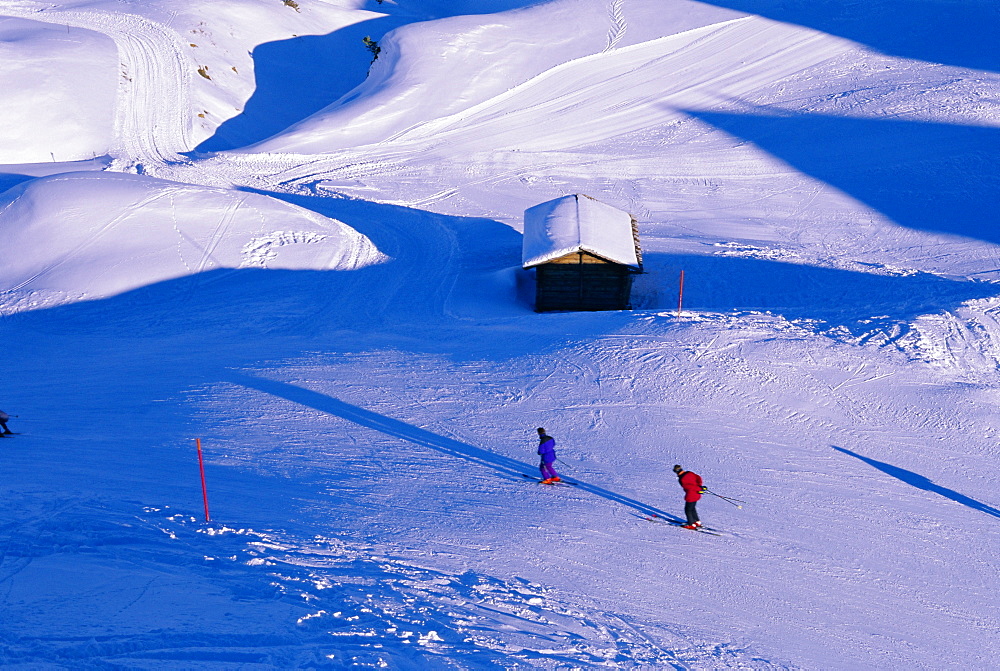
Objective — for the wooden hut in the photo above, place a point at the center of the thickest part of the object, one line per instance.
(584, 254)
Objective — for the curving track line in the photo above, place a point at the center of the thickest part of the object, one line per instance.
(612, 93)
(152, 119)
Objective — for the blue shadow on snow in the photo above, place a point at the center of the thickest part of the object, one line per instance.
(296, 78)
(962, 33)
(860, 302)
(922, 482)
(8, 180)
(412, 434)
(925, 176)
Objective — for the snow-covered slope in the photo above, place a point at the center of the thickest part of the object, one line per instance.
(93, 235)
(316, 270)
(59, 89)
(420, 62)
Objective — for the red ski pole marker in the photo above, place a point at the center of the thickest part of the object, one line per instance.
(204, 489)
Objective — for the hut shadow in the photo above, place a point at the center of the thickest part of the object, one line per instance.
(435, 263)
(925, 176)
(922, 482)
(296, 78)
(952, 33)
(862, 303)
(417, 436)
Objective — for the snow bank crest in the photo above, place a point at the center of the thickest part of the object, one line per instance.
(94, 235)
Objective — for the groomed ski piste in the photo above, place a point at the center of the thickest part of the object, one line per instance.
(221, 220)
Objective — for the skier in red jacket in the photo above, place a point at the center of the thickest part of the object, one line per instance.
(693, 487)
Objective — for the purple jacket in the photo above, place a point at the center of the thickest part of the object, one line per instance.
(547, 449)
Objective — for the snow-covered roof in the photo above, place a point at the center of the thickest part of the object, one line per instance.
(577, 223)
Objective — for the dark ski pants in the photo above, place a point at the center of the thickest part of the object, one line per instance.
(3, 424)
(691, 511)
(547, 470)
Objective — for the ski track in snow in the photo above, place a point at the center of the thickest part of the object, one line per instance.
(618, 24)
(152, 119)
(614, 75)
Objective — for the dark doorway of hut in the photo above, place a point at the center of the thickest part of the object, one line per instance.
(584, 252)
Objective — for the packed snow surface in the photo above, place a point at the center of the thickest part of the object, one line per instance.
(223, 221)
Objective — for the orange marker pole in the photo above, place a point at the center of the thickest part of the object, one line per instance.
(680, 295)
(204, 489)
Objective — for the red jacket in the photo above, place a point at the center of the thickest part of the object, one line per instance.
(691, 482)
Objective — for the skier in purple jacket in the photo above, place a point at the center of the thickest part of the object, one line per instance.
(547, 451)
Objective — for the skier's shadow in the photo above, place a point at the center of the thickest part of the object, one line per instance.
(418, 436)
(921, 482)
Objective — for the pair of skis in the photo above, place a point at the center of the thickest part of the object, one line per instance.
(539, 481)
(663, 520)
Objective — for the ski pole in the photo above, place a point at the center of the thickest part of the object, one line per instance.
(726, 499)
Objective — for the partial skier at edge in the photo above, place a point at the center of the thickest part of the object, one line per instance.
(4, 429)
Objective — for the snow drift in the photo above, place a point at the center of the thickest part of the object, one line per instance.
(98, 234)
(58, 95)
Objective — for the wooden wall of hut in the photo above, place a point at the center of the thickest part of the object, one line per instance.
(582, 282)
